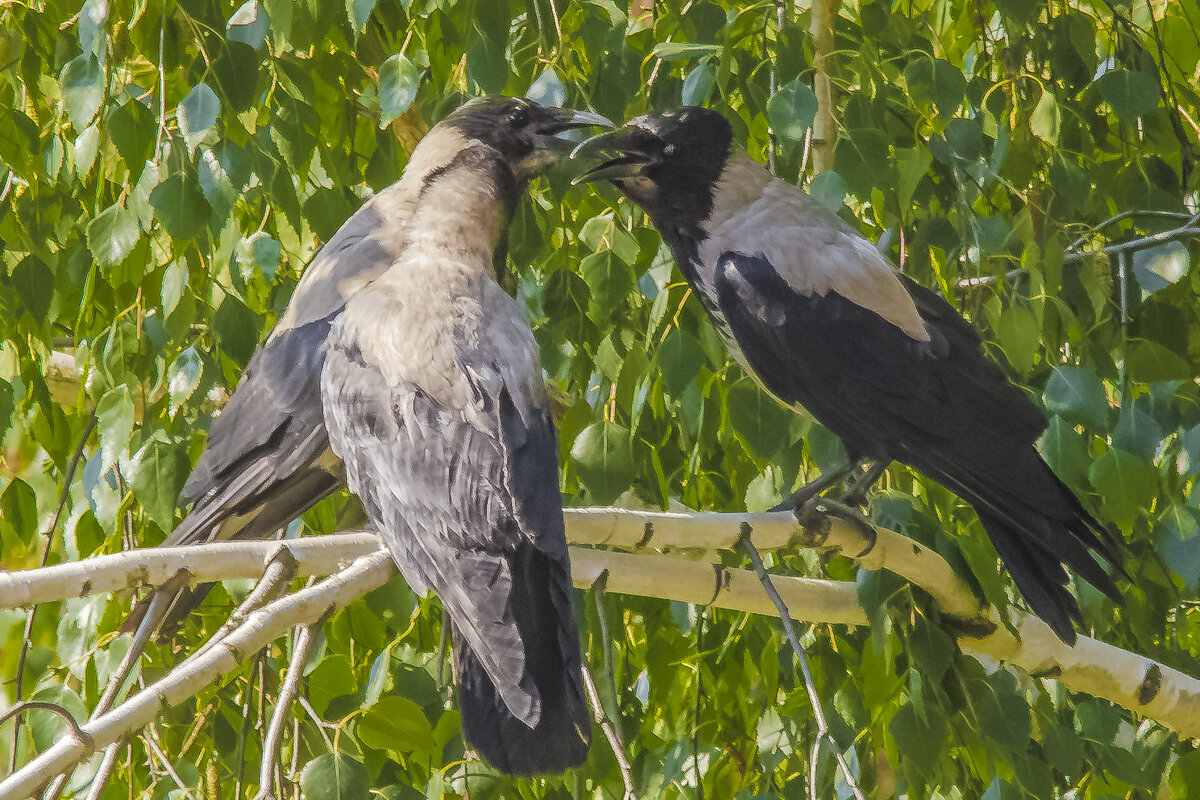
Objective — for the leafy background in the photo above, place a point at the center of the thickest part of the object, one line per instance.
(169, 168)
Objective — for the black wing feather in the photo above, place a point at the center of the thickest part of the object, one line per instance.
(940, 406)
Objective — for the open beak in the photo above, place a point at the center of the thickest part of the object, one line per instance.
(617, 152)
(566, 119)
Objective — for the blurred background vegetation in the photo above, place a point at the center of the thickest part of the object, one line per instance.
(168, 168)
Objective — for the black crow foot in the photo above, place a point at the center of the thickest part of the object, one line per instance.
(813, 489)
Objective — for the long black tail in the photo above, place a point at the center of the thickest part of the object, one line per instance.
(541, 603)
(1037, 525)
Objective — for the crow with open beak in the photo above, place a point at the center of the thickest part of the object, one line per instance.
(401, 368)
(825, 322)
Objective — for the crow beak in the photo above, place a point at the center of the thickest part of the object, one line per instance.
(618, 155)
(566, 119)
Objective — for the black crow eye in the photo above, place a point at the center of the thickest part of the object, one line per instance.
(518, 117)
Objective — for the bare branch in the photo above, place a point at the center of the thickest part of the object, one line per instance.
(263, 627)
(611, 732)
(152, 567)
(283, 708)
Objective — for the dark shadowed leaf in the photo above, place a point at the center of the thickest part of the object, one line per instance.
(1130, 93)
(180, 206)
(1077, 395)
(34, 282)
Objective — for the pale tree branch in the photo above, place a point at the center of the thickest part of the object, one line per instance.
(611, 733)
(197, 672)
(1133, 681)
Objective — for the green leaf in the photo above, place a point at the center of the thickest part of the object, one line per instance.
(920, 741)
(329, 680)
(609, 280)
(82, 82)
(678, 51)
(1046, 119)
(237, 328)
(112, 235)
(1177, 539)
(932, 649)
(114, 424)
(1126, 483)
(1137, 431)
(48, 727)
(34, 282)
(6, 407)
(698, 84)
(936, 81)
(335, 776)
(249, 25)
(1150, 362)
(326, 210)
(758, 419)
(1003, 711)
(399, 80)
(132, 128)
(790, 110)
(1159, 267)
(679, 359)
(155, 477)
(18, 141)
(1131, 94)
(259, 253)
(603, 457)
(180, 206)
(395, 725)
(913, 164)
(829, 189)
(198, 113)
(183, 377)
(1077, 395)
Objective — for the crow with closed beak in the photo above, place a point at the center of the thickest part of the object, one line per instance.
(401, 368)
(824, 322)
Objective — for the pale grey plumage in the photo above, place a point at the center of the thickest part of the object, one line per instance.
(435, 401)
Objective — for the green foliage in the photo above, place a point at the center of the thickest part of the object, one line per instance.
(167, 169)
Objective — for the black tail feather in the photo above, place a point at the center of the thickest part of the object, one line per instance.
(541, 604)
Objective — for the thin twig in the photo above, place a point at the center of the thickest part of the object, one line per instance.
(29, 618)
(611, 732)
(316, 718)
(1124, 215)
(104, 772)
(283, 707)
(27, 705)
(1175, 234)
(823, 731)
(148, 738)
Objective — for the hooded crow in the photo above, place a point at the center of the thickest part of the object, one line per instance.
(825, 322)
(400, 368)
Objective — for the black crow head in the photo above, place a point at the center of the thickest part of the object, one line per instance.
(522, 131)
(668, 163)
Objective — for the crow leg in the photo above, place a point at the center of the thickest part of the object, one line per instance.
(808, 491)
(857, 494)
